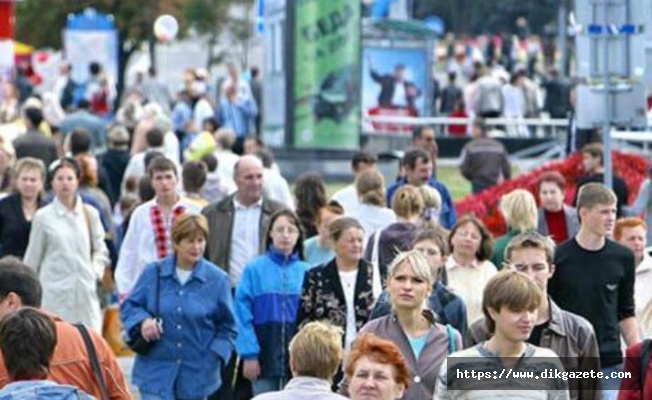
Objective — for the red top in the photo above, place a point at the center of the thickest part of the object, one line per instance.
(556, 221)
(630, 387)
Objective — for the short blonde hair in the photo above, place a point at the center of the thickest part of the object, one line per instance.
(316, 350)
(187, 225)
(431, 197)
(511, 289)
(520, 210)
(417, 261)
(29, 163)
(594, 194)
(370, 186)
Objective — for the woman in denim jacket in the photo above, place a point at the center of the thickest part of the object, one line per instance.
(195, 332)
(266, 303)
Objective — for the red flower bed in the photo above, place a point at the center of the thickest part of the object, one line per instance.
(632, 168)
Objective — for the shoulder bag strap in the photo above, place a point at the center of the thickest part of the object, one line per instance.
(92, 355)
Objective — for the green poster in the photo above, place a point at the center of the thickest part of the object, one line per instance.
(326, 102)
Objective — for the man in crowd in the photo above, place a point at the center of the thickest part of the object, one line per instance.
(417, 166)
(594, 167)
(595, 279)
(348, 196)
(70, 364)
(570, 336)
(34, 143)
(423, 137)
(83, 118)
(241, 220)
(484, 160)
(148, 236)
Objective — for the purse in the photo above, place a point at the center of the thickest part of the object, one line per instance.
(135, 340)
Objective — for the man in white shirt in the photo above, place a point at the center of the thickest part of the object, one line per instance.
(348, 196)
(148, 236)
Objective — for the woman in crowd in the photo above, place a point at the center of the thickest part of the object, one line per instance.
(266, 302)
(310, 195)
(422, 341)
(6, 163)
(468, 267)
(448, 307)
(18, 209)
(183, 304)
(319, 249)
(519, 208)
(371, 210)
(642, 206)
(383, 245)
(376, 370)
(432, 210)
(67, 250)
(341, 290)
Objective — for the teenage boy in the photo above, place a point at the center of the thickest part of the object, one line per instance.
(570, 336)
(148, 236)
(595, 279)
(510, 303)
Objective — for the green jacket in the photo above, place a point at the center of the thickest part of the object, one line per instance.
(498, 256)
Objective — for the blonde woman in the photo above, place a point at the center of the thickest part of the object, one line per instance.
(432, 210)
(519, 208)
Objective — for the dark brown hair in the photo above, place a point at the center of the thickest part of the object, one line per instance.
(486, 248)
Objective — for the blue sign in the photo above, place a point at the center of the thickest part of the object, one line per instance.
(613, 29)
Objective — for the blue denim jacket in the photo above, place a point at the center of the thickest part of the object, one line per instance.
(198, 329)
(42, 390)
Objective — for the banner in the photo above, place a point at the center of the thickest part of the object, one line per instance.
(326, 98)
(394, 83)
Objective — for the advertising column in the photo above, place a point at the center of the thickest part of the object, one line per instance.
(326, 91)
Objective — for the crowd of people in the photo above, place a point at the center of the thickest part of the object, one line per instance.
(241, 287)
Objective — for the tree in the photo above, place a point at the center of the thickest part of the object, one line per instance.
(40, 23)
(213, 18)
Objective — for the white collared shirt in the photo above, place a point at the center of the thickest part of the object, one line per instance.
(245, 237)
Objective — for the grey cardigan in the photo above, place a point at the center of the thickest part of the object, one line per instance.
(572, 222)
(424, 372)
(302, 388)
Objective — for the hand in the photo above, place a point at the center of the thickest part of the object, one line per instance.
(150, 330)
(251, 369)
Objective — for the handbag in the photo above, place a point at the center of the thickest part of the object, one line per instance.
(135, 340)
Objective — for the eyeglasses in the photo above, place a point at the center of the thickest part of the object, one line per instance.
(290, 231)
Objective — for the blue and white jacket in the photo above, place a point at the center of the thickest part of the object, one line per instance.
(266, 304)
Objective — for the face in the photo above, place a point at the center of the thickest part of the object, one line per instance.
(599, 220)
(420, 174)
(284, 234)
(164, 183)
(515, 326)
(349, 245)
(249, 181)
(65, 182)
(533, 264)
(399, 74)
(427, 141)
(590, 163)
(191, 248)
(374, 381)
(407, 290)
(433, 253)
(635, 239)
(466, 240)
(29, 183)
(551, 196)
(326, 218)
(250, 146)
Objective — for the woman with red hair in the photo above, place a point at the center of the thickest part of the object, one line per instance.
(376, 370)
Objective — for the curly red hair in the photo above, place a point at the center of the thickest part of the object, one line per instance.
(381, 351)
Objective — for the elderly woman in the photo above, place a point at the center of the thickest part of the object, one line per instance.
(183, 304)
(448, 307)
(424, 343)
(519, 208)
(18, 209)
(266, 302)
(66, 248)
(468, 267)
(384, 244)
(555, 219)
(376, 370)
(341, 290)
(371, 210)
